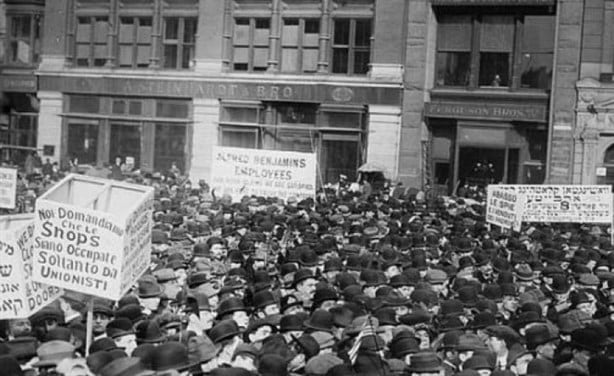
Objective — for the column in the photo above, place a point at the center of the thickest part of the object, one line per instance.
(384, 137)
(112, 35)
(205, 135)
(54, 35)
(50, 122)
(388, 41)
(156, 35)
(591, 140)
(274, 37)
(324, 38)
(214, 36)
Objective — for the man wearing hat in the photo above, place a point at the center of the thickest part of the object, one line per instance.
(234, 309)
(304, 285)
(541, 341)
(425, 363)
(504, 342)
(226, 335)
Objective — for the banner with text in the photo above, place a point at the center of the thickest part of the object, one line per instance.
(504, 207)
(565, 203)
(8, 187)
(242, 172)
(20, 296)
(93, 251)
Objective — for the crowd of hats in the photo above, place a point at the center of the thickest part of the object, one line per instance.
(389, 284)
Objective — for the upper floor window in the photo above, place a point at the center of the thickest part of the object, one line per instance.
(251, 44)
(179, 41)
(495, 51)
(91, 41)
(351, 46)
(24, 38)
(299, 43)
(134, 42)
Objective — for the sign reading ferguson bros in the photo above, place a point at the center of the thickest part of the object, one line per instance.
(20, 296)
(101, 252)
(244, 172)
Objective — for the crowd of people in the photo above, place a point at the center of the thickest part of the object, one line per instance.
(346, 283)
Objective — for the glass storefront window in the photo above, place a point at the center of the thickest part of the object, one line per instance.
(170, 143)
(125, 141)
(83, 142)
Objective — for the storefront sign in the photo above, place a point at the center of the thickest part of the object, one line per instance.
(8, 187)
(242, 172)
(230, 90)
(101, 251)
(565, 203)
(20, 296)
(504, 207)
(18, 83)
(493, 2)
(490, 111)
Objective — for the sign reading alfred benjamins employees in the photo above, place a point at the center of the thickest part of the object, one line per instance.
(93, 235)
(565, 203)
(504, 207)
(244, 172)
(8, 187)
(20, 296)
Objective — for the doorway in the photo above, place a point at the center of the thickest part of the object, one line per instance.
(125, 141)
(480, 166)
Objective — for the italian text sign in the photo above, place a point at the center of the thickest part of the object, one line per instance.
(504, 207)
(8, 187)
(20, 296)
(245, 172)
(565, 203)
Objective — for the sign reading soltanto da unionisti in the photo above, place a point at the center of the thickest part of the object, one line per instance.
(93, 235)
(242, 172)
(20, 296)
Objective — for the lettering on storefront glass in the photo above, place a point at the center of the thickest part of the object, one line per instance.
(488, 111)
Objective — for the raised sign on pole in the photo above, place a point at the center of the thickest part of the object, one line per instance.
(242, 172)
(565, 203)
(20, 296)
(93, 235)
(504, 207)
(8, 187)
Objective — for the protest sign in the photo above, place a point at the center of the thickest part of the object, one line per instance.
(242, 172)
(8, 187)
(93, 235)
(20, 296)
(504, 207)
(565, 203)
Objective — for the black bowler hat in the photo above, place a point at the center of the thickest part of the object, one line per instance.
(538, 335)
(132, 312)
(321, 320)
(263, 298)
(324, 294)
(301, 275)
(403, 345)
(426, 361)
(230, 305)
(223, 330)
(292, 322)
(148, 331)
(119, 327)
(170, 356)
(123, 367)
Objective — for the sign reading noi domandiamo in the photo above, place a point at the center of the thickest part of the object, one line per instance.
(242, 172)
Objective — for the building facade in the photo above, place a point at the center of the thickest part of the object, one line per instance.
(21, 25)
(164, 81)
(493, 77)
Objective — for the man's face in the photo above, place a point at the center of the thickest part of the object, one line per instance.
(218, 250)
(241, 318)
(127, 342)
(510, 303)
(546, 350)
(307, 287)
(150, 303)
(245, 362)
(406, 291)
(260, 334)
(521, 363)
(20, 327)
(271, 309)
(495, 344)
(100, 323)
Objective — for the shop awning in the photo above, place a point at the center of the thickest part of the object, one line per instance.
(494, 2)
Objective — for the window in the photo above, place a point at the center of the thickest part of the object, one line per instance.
(170, 141)
(251, 44)
(299, 43)
(24, 38)
(134, 42)
(495, 50)
(351, 46)
(239, 137)
(83, 142)
(240, 125)
(91, 41)
(179, 41)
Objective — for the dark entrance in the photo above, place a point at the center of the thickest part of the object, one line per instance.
(482, 166)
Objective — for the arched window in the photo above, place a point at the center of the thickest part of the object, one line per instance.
(608, 157)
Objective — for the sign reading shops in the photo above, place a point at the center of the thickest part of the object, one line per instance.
(242, 172)
(93, 235)
(8, 187)
(20, 296)
(561, 203)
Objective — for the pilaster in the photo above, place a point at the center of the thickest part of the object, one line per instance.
(384, 137)
(50, 122)
(205, 136)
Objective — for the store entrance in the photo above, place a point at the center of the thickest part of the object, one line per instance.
(480, 166)
(125, 141)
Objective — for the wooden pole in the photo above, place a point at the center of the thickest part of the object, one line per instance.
(88, 326)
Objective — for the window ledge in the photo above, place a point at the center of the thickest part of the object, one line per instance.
(490, 93)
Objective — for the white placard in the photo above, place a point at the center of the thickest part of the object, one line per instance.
(504, 207)
(20, 296)
(601, 171)
(565, 203)
(100, 247)
(8, 187)
(241, 172)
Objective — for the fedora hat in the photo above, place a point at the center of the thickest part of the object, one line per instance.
(470, 342)
(323, 294)
(230, 305)
(148, 331)
(125, 367)
(171, 356)
(403, 345)
(538, 335)
(302, 275)
(223, 330)
(263, 298)
(119, 327)
(52, 352)
(425, 361)
(320, 320)
(294, 322)
(201, 349)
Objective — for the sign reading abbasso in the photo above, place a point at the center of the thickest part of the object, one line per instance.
(242, 172)
(504, 207)
(20, 296)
